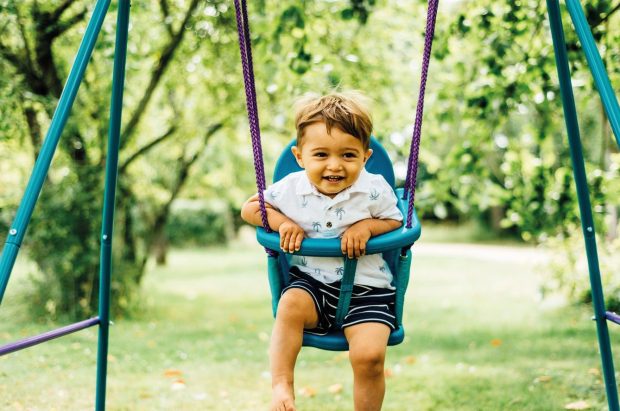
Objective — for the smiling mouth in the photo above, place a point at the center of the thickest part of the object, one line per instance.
(333, 179)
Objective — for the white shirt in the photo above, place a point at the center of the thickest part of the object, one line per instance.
(323, 217)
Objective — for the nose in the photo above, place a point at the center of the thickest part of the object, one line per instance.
(334, 163)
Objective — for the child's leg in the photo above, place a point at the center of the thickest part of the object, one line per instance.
(296, 311)
(367, 347)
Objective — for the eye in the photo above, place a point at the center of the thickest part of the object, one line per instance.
(350, 155)
(320, 154)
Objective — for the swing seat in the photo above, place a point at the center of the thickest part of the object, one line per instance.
(394, 245)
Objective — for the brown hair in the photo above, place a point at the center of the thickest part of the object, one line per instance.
(346, 111)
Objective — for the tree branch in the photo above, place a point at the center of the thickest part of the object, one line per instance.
(56, 14)
(165, 10)
(22, 31)
(156, 76)
(12, 58)
(183, 172)
(147, 147)
(608, 15)
(34, 129)
(62, 26)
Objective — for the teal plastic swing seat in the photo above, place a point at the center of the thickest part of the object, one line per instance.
(395, 247)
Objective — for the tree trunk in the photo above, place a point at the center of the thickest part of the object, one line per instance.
(160, 248)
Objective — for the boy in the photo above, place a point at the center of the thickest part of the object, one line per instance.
(334, 196)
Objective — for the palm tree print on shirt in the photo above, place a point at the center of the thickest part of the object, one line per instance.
(339, 212)
(303, 261)
(374, 194)
(304, 201)
(340, 271)
(316, 226)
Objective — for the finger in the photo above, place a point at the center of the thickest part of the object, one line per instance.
(291, 243)
(284, 240)
(351, 248)
(343, 245)
(362, 248)
(298, 240)
(287, 242)
(356, 248)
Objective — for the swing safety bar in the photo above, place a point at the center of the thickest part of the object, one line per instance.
(579, 173)
(330, 247)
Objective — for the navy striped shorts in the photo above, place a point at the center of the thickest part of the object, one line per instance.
(368, 304)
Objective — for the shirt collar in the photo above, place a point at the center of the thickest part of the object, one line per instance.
(362, 185)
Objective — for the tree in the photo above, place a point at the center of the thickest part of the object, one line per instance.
(509, 152)
(63, 238)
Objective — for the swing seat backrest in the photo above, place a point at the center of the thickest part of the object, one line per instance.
(394, 246)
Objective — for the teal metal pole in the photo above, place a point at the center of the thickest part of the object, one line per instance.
(116, 107)
(41, 166)
(583, 196)
(610, 102)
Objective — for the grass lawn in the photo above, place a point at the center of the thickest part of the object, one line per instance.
(478, 338)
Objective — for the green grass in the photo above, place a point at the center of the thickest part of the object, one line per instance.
(478, 338)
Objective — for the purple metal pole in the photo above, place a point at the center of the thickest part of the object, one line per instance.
(50, 335)
(613, 317)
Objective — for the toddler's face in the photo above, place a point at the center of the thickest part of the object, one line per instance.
(333, 161)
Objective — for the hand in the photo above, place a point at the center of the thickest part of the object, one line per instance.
(354, 240)
(291, 236)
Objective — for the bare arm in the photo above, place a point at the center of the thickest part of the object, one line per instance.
(291, 234)
(250, 212)
(354, 239)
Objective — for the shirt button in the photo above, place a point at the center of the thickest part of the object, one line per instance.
(329, 224)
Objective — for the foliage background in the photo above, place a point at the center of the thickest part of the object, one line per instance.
(493, 150)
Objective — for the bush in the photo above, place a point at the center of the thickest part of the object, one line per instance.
(568, 269)
(199, 223)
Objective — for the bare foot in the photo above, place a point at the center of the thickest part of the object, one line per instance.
(283, 397)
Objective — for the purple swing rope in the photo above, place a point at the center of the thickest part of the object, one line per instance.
(412, 169)
(245, 48)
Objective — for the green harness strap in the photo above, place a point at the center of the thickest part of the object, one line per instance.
(346, 289)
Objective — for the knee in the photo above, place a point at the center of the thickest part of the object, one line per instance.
(368, 362)
(295, 304)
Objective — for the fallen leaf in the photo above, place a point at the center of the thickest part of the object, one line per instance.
(594, 371)
(496, 342)
(335, 388)
(307, 392)
(410, 359)
(543, 378)
(178, 384)
(172, 373)
(388, 372)
(577, 405)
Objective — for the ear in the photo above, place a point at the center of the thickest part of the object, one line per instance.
(367, 155)
(297, 153)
